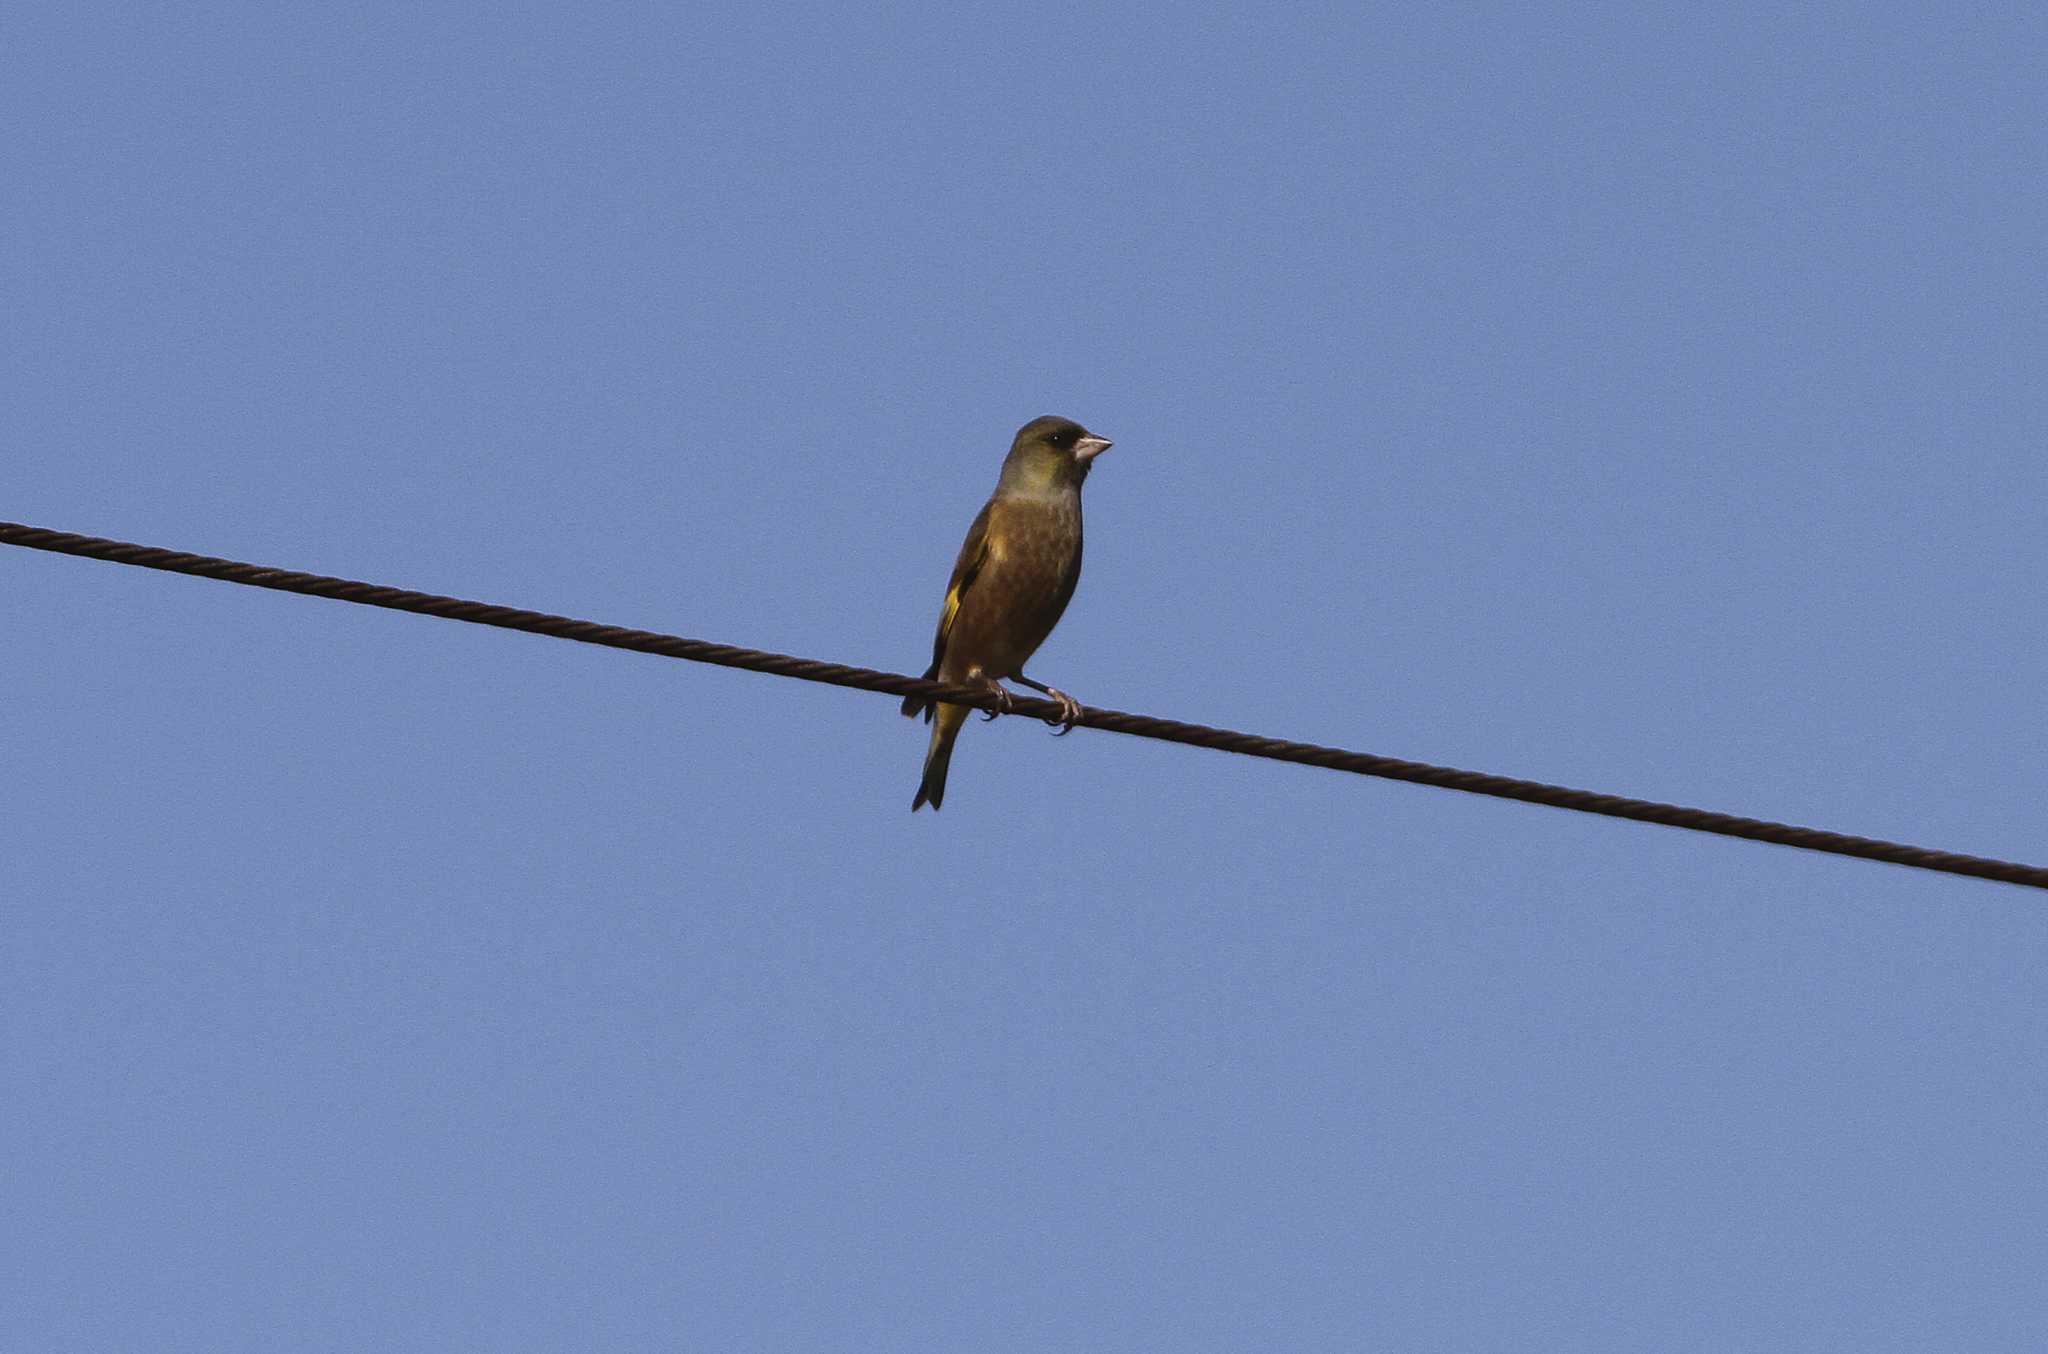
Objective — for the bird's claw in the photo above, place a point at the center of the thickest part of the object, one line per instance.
(1069, 715)
(1004, 700)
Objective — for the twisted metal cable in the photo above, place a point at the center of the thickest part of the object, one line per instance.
(1115, 721)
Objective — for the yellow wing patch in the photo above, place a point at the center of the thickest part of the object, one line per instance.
(946, 616)
(974, 552)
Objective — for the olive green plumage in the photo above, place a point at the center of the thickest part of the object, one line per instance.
(1014, 577)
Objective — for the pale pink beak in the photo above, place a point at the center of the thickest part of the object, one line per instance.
(1091, 446)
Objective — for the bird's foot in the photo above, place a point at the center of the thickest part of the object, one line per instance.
(1004, 700)
(1070, 711)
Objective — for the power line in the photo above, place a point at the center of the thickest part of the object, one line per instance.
(1115, 721)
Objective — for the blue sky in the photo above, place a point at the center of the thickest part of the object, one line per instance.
(1643, 398)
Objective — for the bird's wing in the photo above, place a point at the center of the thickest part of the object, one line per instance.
(973, 554)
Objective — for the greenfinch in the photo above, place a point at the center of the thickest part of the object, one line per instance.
(1014, 577)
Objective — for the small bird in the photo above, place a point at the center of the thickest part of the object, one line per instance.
(1013, 579)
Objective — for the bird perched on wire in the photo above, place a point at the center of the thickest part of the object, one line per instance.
(1013, 579)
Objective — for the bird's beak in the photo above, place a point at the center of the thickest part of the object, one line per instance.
(1088, 448)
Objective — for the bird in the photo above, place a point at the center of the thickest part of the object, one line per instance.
(1014, 577)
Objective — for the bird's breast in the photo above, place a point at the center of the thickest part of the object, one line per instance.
(1034, 553)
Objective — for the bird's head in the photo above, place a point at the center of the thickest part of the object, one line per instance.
(1051, 452)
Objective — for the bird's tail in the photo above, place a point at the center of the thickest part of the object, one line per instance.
(932, 789)
(913, 706)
